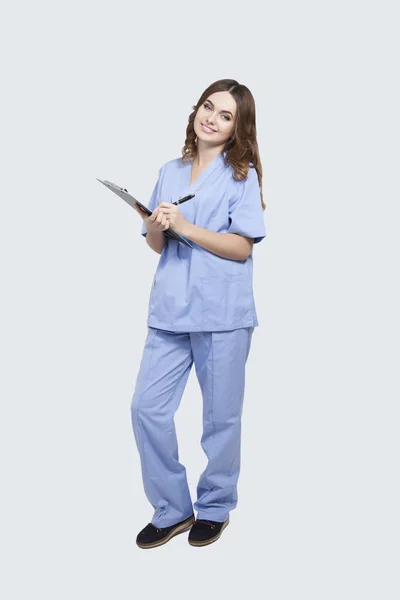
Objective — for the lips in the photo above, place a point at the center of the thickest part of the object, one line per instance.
(207, 127)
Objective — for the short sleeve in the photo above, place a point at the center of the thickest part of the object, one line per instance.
(245, 212)
(153, 202)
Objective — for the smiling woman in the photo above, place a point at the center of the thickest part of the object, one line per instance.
(201, 310)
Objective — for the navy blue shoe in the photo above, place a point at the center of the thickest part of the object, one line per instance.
(204, 531)
(152, 536)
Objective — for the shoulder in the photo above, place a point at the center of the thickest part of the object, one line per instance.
(251, 173)
(243, 183)
(245, 189)
(172, 165)
(252, 176)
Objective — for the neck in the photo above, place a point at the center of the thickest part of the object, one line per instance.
(206, 154)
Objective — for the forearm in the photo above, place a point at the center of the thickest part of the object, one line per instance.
(156, 240)
(227, 245)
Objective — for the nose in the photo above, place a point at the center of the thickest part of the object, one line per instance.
(210, 118)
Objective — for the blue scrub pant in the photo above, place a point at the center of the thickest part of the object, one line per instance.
(167, 359)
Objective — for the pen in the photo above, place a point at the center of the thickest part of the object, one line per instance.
(184, 199)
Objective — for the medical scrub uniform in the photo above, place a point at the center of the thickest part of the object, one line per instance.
(202, 311)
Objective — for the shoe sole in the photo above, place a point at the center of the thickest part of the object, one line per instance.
(210, 540)
(185, 526)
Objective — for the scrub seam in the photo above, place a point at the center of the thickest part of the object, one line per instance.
(247, 348)
(212, 412)
(202, 329)
(244, 347)
(163, 511)
(140, 397)
(234, 458)
(212, 393)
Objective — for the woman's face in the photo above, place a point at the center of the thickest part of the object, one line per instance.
(218, 112)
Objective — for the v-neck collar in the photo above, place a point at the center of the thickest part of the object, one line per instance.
(216, 161)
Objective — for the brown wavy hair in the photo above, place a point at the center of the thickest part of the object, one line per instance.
(242, 147)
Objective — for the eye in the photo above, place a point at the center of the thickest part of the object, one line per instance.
(208, 106)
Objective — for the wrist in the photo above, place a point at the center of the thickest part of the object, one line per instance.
(187, 229)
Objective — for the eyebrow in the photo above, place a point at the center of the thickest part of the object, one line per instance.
(227, 111)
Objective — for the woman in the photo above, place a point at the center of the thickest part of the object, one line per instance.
(201, 310)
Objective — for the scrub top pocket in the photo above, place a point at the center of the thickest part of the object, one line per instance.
(227, 299)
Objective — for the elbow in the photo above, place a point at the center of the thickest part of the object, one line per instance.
(244, 257)
(246, 247)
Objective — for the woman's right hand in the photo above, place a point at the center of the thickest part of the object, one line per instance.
(157, 221)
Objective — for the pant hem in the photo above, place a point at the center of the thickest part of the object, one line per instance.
(221, 517)
(164, 521)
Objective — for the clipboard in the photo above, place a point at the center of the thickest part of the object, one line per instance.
(123, 193)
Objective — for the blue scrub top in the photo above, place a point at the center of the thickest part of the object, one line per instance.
(194, 289)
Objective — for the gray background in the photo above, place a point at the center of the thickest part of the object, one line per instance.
(104, 90)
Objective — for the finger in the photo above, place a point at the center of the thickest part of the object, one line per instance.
(160, 221)
(153, 215)
(164, 222)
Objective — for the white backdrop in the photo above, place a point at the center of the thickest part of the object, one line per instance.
(105, 90)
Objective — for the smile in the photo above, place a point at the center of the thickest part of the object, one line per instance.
(206, 129)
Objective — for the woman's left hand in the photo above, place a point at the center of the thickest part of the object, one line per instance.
(140, 211)
(175, 218)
